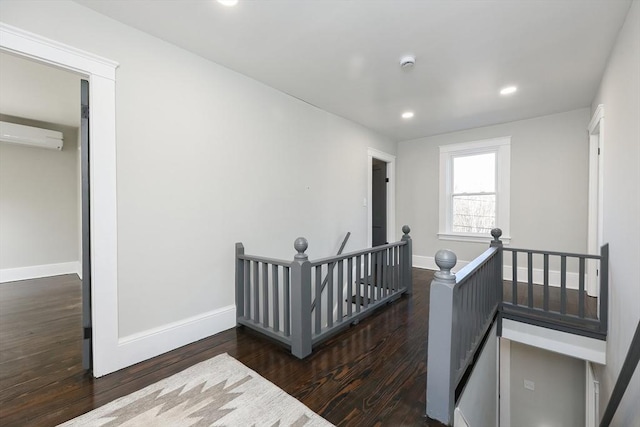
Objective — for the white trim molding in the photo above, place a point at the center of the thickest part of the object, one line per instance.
(153, 342)
(101, 73)
(585, 348)
(502, 148)
(38, 271)
(390, 159)
(596, 196)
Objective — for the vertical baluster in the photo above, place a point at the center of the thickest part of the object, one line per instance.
(286, 273)
(581, 288)
(367, 281)
(563, 284)
(400, 267)
(340, 296)
(276, 298)
(358, 285)
(265, 294)
(396, 268)
(530, 279)
(330, 268)
(385, 284)
(256, 292)
(247, 289)
(318, 326)
(349, 286)
(379, 275)
(546, 283)
(514, 278)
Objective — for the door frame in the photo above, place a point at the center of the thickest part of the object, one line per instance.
(101, 74)
(390, 160)
(596, 199)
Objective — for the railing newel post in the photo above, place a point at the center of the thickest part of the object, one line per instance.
(440, 369)
(604, 288)
(408, 261)
(239, 282)
(301, 343)
(497, 243)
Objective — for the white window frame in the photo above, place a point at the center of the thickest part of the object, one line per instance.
(502, 147)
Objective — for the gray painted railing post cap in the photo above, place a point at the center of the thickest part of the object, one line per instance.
(496, 233)
(445, 260)
(301, 244)
(406, 229)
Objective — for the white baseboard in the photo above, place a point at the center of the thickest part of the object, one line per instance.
(153, 342)
(38, 271)
(429, 263)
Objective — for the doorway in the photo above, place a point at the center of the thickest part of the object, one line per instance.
(379, 183)
(381, 204)
(46, 251)
(108, 356)
(595, 215)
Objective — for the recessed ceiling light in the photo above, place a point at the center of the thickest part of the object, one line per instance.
(228, 2)
(508, 90)
(407, 115)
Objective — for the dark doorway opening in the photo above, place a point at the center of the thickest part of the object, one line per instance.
(378, 202)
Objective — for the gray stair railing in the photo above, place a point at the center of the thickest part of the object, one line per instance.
(579, 321)
(462, 308)
(275, 297)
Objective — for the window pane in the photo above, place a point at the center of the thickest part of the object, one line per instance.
(474, 214)
(474, 174)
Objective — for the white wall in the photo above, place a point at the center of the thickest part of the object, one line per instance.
(39, 220)
(620, 93)
(478, 402)
(549, 187)
(207, 157)
(559, 388)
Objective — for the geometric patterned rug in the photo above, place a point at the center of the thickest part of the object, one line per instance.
(218, 392)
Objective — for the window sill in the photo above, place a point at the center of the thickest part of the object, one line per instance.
(476, 238)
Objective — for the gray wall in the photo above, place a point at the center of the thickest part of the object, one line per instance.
(549, 187)
(39, 194)
(620, 94)
(207, 157)
(39, 222)
(559, 382)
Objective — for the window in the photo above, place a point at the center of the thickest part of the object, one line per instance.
(474, 189)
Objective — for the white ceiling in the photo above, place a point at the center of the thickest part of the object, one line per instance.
(32, 90)
(343, 56)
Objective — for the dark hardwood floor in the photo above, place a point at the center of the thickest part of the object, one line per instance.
(373, 374)
(591, 303)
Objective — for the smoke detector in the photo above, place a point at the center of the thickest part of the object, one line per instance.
(407, 62)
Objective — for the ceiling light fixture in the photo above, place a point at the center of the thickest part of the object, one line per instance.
(508, 90)
(228, 2)
(407, 115)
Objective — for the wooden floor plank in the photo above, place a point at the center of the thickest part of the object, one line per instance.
(373, 374)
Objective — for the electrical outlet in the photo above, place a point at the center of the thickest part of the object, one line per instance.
(529, 385)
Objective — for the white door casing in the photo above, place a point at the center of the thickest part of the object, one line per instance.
(595, 213)
(101, 74)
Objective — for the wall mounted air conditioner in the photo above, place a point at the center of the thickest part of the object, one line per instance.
(31, 136)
